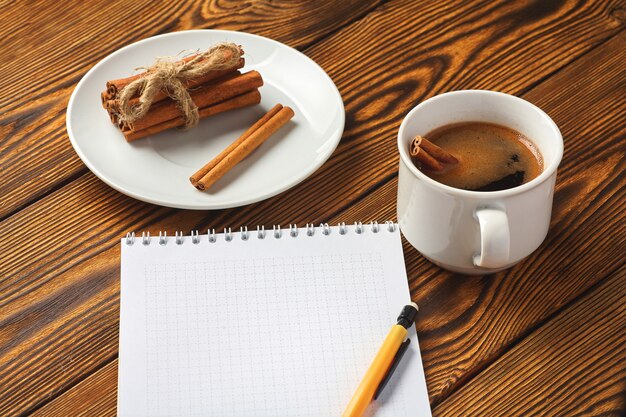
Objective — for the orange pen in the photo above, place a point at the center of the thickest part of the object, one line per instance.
(384, 363)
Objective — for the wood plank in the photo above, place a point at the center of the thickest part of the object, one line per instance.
(88, 398)
(466, 323)
(575, 364)
(32, 106)
(586, 239)
(82, 40)
(60, 270)
(504, 46)
(365, 153)
(538, 367)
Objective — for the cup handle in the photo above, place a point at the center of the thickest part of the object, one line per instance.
(494, 238)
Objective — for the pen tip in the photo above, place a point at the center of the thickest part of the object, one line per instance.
(415, 305)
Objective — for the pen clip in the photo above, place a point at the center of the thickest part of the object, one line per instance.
(396, 360)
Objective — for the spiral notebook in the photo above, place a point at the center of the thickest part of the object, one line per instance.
(276, 323)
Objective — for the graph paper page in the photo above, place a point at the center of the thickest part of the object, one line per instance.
(263, 327)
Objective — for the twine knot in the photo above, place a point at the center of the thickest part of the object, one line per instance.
(170, 77)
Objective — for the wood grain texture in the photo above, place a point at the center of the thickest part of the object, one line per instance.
(587, 237)
(92, 397)
(443, 47)
(374, 145)
(483, 315)
(570, 366)
(32, 107)
(538, 367)
(59, 289)
(58, 54)
(373, 155)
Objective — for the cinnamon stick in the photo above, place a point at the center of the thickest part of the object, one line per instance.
(162, 95)
(202, 96)
(195, 178)
(105, 96)
(436, 152)
(112, 106)
(247, 99)
(249, 144)
(192, 83)
(114, 86)
(431, 156)
(427, 161)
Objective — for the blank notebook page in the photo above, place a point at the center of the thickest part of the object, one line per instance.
(263, 327)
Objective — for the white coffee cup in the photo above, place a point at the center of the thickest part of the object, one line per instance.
(476, 232)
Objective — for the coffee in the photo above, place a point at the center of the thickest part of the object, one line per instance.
(491, 157)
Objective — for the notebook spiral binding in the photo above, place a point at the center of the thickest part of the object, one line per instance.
(244, 234)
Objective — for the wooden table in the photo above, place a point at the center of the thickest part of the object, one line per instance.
(547, 337)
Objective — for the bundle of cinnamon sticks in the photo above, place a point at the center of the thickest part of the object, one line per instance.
(177, 94)
(213, 92)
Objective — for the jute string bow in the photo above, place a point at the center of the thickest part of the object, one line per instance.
(170, 77)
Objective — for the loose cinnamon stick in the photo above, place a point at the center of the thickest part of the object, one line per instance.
(247, 99)
(431, 156)
(249, 144)
(114, 86)
(195, 178)
(203, 96)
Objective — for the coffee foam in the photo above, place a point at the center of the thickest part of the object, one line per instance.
(491, 156)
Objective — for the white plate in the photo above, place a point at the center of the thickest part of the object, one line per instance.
(156, 169)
